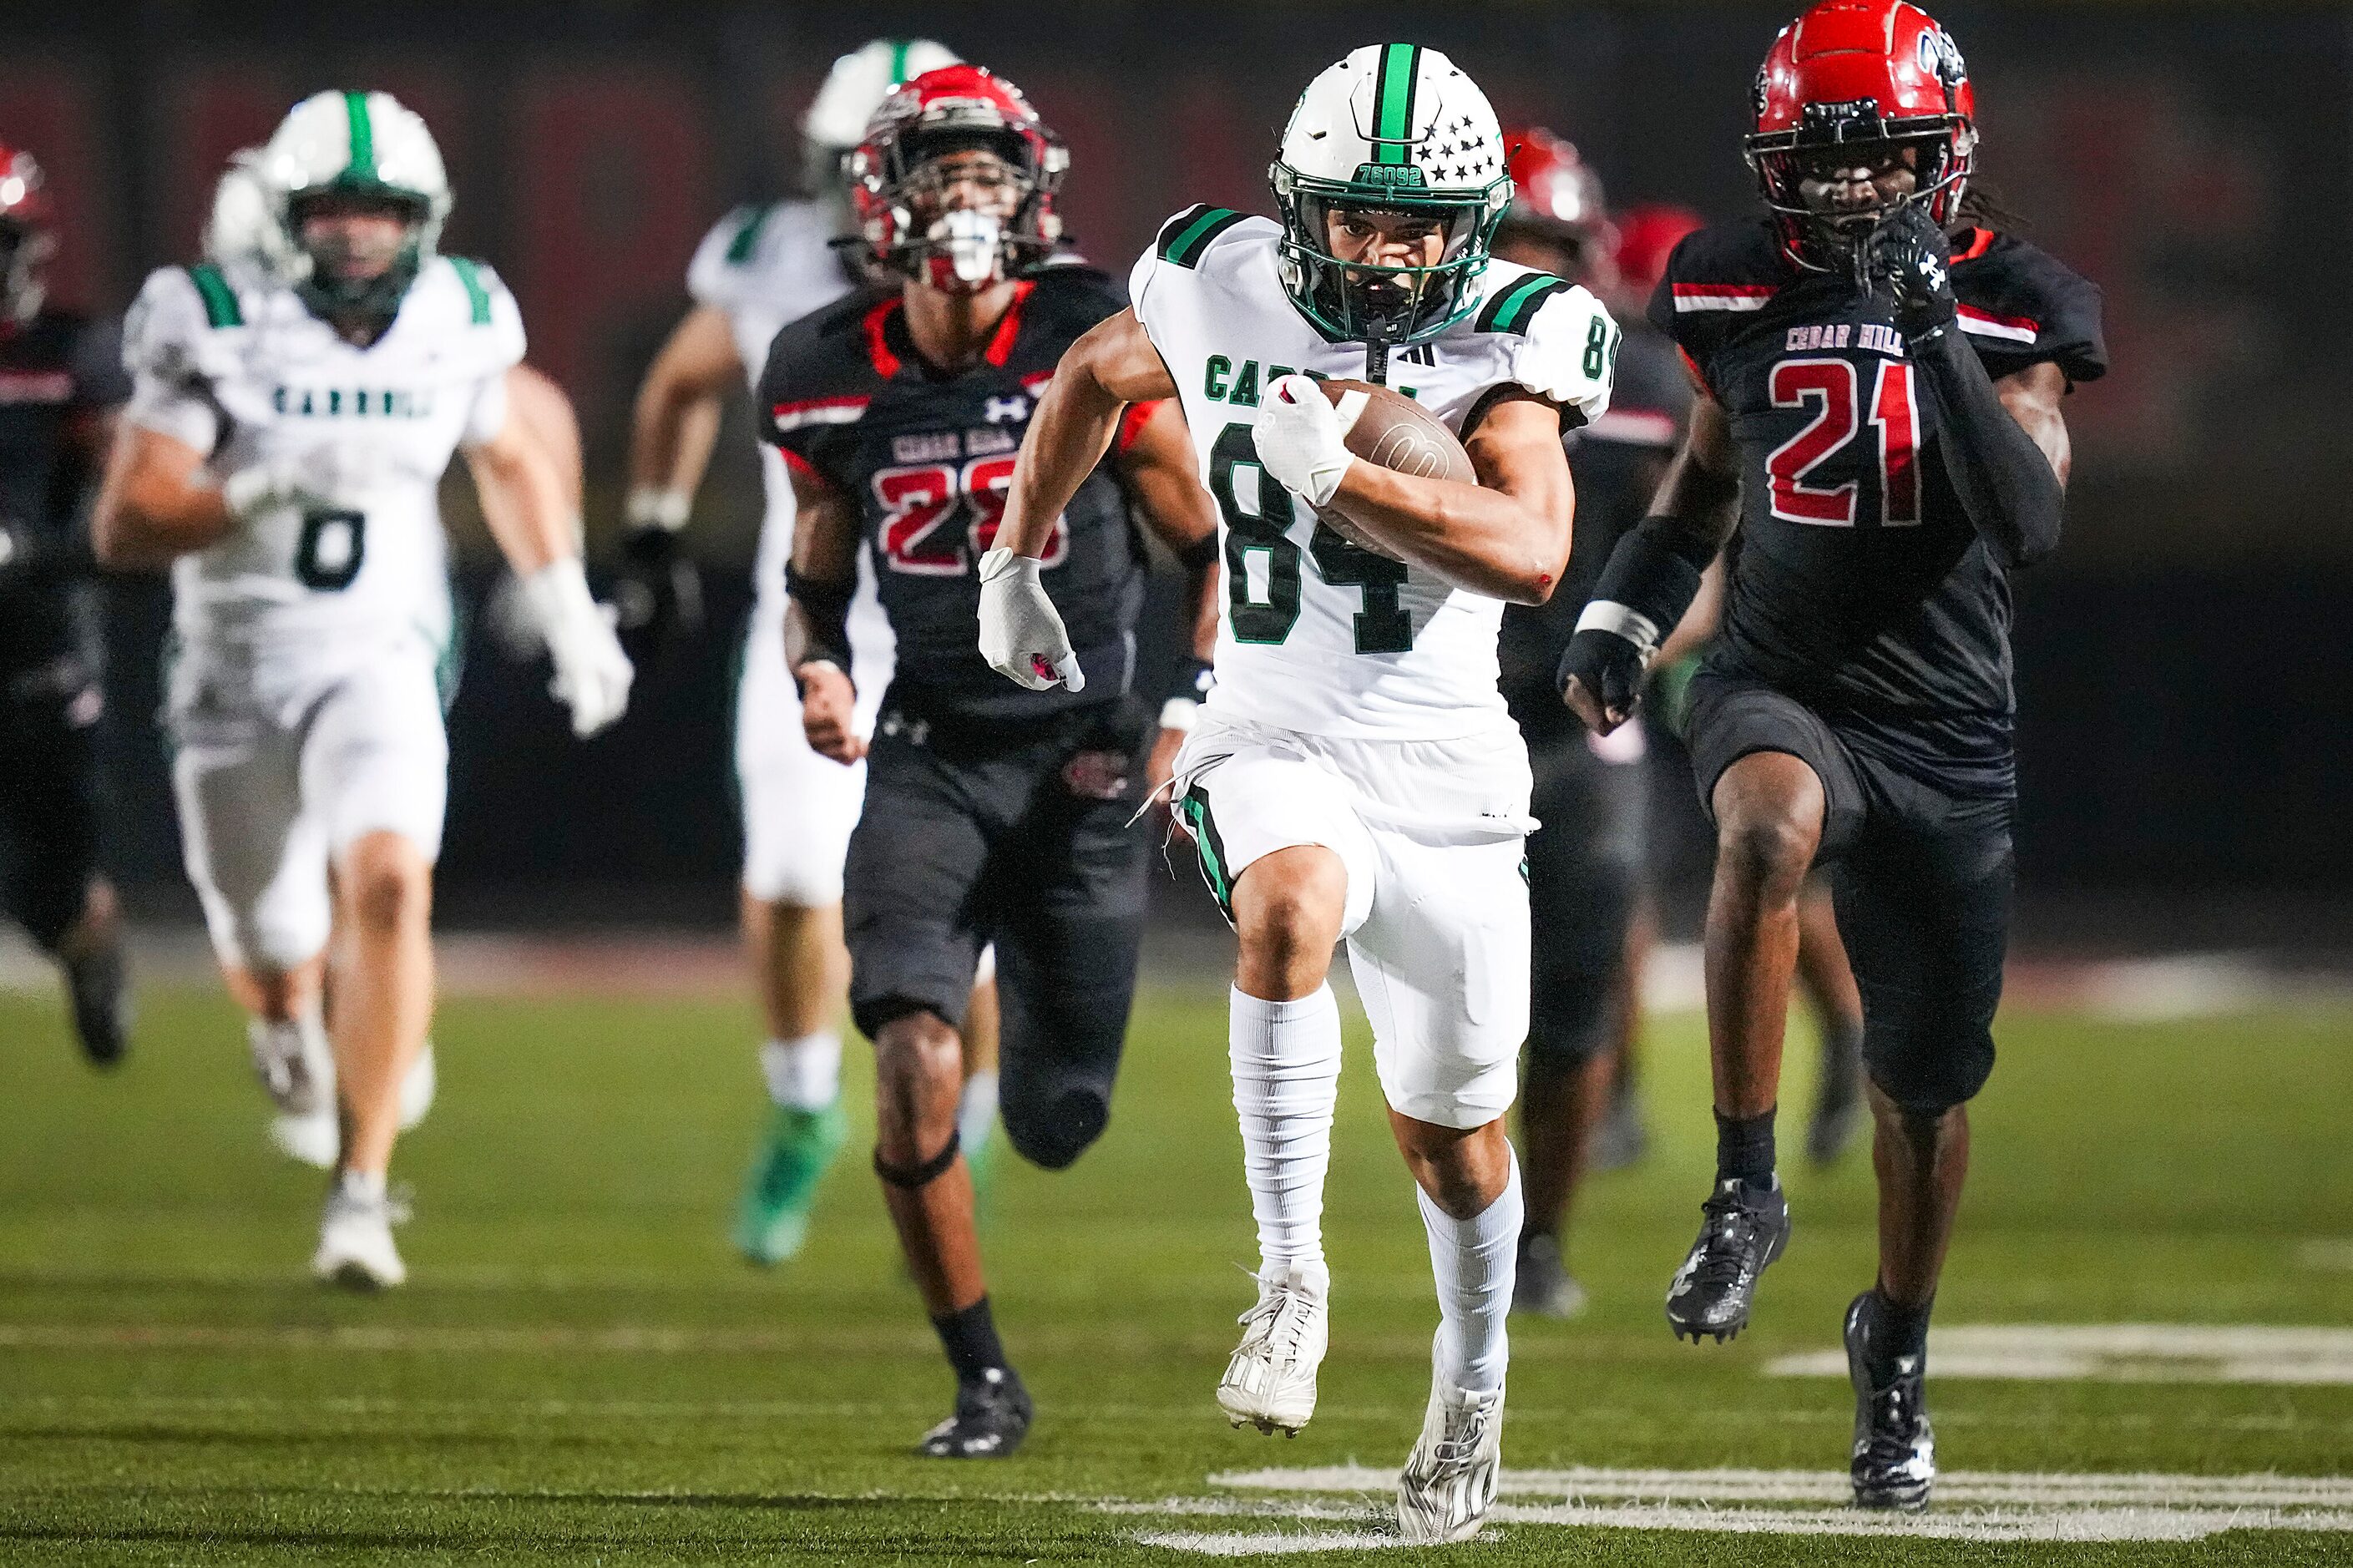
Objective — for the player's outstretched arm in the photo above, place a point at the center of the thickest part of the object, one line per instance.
(818, 584)
(155, 501)
(1653, 574)
(1113, 365)
(524, 503)
(1506, 536)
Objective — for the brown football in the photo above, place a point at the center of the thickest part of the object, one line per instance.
(1389, 428)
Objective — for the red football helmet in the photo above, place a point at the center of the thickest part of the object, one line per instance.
(1554, 188)
(27, 234)
(900, 196)
(1648, 234)
(1853, 72)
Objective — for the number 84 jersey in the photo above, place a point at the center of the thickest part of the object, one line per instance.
(1315, 634)
(241, 370)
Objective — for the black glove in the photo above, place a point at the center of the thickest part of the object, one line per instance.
(657, 592)
(1907, 261)
(1607, 665)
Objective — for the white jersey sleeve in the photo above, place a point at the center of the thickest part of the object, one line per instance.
(1568, 352)
(492, 342)
(718, 275)
(164, 349)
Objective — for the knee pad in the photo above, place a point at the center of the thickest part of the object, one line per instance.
(1928, 1071)
(1052, 1130)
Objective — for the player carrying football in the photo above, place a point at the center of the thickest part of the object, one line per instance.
(1355, 774)
(286, 434)
(992, 815)
(1881, 420)
(761, 266)
(62, 382)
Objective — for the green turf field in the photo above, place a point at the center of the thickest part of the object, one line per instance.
(582, 1372)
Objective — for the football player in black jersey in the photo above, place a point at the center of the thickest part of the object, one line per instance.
(1586, 863)
(62, 381)
(1881, 420)
(993, 813)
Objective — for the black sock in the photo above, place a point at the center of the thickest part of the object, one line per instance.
(1903, 1331)
(969, 1336)
(1744, 1147)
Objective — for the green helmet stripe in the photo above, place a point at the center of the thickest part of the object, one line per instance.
(1393, 101)
(898, 61)
(363, 164)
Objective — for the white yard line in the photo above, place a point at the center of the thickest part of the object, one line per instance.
(2119, 1353)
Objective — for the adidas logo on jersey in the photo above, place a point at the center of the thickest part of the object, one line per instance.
(336, 402)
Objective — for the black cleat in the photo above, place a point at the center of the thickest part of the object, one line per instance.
(97, 989)
(1895, 1448)
(1541, 1284)
(1745, 1229)
(992, 1416)
(1620, 1141)
(1837, 1096)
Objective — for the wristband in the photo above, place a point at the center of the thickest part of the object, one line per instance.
(800, 682)
(1621, 620)
(657, 506)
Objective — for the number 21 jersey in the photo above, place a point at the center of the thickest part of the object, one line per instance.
(1315, 634)
(1857, 582)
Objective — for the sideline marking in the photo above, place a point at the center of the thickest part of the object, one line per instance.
(1995, 1506)
(2118, 1352)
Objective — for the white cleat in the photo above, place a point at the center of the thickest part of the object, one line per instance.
(1450, 1479)
(355, 1248)
(1269, 1383)
(293, 1061)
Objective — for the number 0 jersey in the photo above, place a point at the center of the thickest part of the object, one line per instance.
(1315, 634)
(247, 374)
(1858, 584)
(926, 456)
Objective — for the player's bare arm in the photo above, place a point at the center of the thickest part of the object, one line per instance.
(1654, 574)
(524, 502)
(155, 502)
(1158, 470)
(1111, 366)
(676, 419)
(1508, 535)
(819, 583)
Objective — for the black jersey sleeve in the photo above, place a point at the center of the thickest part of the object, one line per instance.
(1070, 296)
(1716, 279)
(2022, 306)
(95, 362)
(819, 380)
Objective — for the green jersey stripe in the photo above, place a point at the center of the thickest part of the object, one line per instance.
(221, 308)
(1183, 246)
(898, 61)
(469, 273)
(747, 236)
(361, 169)
(1515, 308)
(1213, 847)
(1393, 101)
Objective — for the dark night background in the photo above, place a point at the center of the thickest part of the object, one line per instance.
(2186, 665)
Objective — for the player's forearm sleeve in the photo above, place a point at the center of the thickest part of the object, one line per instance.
(825, 614)
(1652, 578)
(2004, 481)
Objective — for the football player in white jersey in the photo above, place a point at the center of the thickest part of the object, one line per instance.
(244, 239)
(760, 268)
(288, 429)
(1354, 773)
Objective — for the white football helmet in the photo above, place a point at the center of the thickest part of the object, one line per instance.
(854, 88)
(360, 144)
(243, 236)
(1394, 127)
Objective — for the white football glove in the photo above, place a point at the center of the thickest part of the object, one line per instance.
(1300, 440)
(592, 673)
(1022, 633)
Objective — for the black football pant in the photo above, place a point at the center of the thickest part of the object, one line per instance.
(970, 839)
(48, 796)
(1585, 878)
(1921, 877)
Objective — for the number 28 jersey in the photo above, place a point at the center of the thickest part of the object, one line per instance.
(1857, 582)
(1315, 634)
(247, 374)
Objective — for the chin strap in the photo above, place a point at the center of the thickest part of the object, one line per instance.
(922, 1175)
(1376, 354)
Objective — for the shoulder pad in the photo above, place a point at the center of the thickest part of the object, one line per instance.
(2020, 305)
(1185, 237)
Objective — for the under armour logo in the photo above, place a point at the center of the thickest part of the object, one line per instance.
(997, 410)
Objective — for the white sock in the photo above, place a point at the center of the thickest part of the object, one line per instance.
(802, 1074)
(977, 1109)
(368, 1187)
(1286, 1065)
(1473, 1260)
